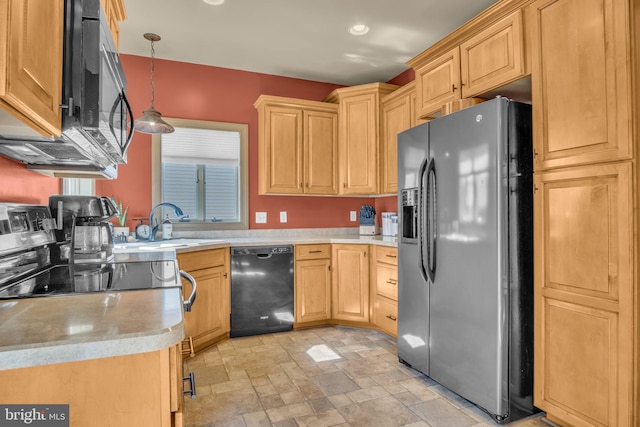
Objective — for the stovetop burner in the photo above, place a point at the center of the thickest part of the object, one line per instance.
(100, 277)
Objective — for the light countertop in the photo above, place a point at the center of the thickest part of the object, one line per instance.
(39, 331)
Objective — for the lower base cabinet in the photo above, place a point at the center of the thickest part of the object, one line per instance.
(350, 283)
(141, 390)
(312, 283)
(208, 320)
(384, 288)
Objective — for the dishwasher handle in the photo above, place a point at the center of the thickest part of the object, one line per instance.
(263, 256)
(192, 298)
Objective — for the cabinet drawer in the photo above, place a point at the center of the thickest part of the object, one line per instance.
(191, 261)
(313, 251)
(387, 281)
(387, 255)
(387, 315)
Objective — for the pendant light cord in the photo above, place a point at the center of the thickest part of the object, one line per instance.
(153, 54)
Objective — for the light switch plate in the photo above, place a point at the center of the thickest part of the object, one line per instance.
(352, 216)
(261, 217)
(283, 216)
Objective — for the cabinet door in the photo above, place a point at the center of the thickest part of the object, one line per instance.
(359, 144)
(313, 290)
(320, 149)
(281, 151)
(584, 295)
(580, 82)
(31, 84)
(493, 57)
(438, 82)
(396, 117)
(209, 317)
(350, 299)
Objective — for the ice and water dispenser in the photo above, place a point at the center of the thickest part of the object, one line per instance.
(409, 214)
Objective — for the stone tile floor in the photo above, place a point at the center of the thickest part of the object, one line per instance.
(327, 376)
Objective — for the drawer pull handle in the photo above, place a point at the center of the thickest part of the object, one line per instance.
(192, 386)
(315, 252)
(392, 282)
(392, 317)
(392, 256)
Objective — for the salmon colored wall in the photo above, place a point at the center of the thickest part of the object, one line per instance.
(24, 186)
(204, 93)
(190, 91)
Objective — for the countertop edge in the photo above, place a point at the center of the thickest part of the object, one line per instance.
(97, 349)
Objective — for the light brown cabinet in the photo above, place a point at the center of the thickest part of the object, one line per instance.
(143, 389)
(385, 289)
(584, 214)
(115, 13)
(208, 320)
(584, 295)
(359, 136)
(312, 283)
(350, 283)
(398, 114)
(580, 82)
(31, 56)
(297, 146)
(486, 60)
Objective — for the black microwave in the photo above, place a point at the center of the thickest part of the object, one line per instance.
(94, 85)
(97, 121)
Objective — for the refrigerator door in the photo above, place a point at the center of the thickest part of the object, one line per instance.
(469, 293)
(413, 290)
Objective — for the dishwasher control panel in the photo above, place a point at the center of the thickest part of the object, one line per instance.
(253, 250)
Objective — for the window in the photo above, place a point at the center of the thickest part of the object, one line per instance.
(202, 168)
(79, 186)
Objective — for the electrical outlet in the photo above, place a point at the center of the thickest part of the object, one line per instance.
(352, 216)
(261, 217)
(283, 216)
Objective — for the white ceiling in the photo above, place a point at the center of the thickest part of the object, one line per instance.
(306, 39)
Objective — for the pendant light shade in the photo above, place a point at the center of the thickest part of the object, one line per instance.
(151, 120)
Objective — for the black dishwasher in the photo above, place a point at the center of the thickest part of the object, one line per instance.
(261, 290)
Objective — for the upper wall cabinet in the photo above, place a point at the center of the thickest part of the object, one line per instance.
(484, 61)
(359, 136)
(31, 56)
(115, 12)
(398, 115)
(580, 82)
(297, 146)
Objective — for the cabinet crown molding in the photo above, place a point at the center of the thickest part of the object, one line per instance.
(476, 24)
(282, 101)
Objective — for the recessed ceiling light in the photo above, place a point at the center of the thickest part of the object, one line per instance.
(358, 29)
(214, 2)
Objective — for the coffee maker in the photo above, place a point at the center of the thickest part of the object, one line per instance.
(83, 233)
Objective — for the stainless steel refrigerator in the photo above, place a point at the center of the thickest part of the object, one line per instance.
(465, 267)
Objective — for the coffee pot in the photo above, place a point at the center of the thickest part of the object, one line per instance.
(83, 232)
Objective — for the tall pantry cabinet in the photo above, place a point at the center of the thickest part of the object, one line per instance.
(585, 106)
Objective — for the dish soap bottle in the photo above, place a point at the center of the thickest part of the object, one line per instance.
(167, 228)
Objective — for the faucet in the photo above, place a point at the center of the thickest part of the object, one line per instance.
(154, 229)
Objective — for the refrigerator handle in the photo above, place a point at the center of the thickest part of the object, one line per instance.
(432, 220)
(421, 212)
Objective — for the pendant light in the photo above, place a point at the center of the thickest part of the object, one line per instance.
(151, 121)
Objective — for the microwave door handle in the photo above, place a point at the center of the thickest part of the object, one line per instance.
(115, 105)
(131, 128)
(421, 193)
